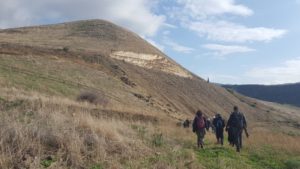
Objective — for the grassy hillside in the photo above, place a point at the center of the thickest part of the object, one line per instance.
(132, 123)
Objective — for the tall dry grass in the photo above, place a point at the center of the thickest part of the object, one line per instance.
(275, 139)
(38, 127)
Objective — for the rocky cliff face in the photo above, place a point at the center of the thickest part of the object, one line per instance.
(151, 61)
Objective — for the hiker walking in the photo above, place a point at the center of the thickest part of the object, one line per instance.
(213, 126)
(207, 124)
(186, 123)
(199, 128)
(219, 124)
(236, 124)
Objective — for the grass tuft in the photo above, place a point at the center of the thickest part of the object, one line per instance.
(157, 140)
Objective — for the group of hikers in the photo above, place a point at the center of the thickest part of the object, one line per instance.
(235, 126)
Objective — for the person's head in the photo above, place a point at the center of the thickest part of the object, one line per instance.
(199, 113)
(218, 115)
(235, 109)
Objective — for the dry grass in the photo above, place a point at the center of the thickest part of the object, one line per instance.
(36, 128)
(280, 141)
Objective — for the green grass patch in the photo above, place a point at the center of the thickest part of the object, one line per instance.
(264, 157)
(97, 166)
(47, 162)
(221, 157)
(292, 163)
(157, 140)
(176, 159)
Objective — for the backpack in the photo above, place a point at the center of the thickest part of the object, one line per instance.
(200, 123)
(238, 120)
(219, 123)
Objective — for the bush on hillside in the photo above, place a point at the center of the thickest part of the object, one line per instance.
(65, 49)
(92, 97)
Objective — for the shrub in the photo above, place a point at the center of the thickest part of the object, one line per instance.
(47, 162)
(93, 97)
(292, 164)
(66, 49)
(253, 105)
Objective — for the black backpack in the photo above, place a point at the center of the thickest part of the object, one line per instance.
(219, 123)
(238, 120)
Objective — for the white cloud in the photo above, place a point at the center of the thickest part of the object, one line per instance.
(205, 8)
(167, 25)
(222, 50)
(288, 72)
(231, 32)
(136, 15)
(209, 19)
(177, 47)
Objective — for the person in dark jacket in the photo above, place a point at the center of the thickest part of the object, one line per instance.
(236, 124)
(186, 123)
(207, 124)
(199, 128)
(219, 124)
(213, 128)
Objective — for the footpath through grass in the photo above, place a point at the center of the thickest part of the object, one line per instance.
(262, 157)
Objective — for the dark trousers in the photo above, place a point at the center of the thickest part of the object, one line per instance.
(230, 136)
(237, 138)
(220, 135)
(200, 136)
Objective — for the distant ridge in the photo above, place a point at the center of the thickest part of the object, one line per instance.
(284, 93)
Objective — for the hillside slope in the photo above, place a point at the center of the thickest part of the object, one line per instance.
(96, 53)
(284, 94)
(140, 96)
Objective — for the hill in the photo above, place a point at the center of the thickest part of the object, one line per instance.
(134, 95)
(284, 94)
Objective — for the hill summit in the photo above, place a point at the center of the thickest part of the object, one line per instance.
(100, 37)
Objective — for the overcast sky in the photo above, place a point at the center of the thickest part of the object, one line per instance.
(229, 41)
